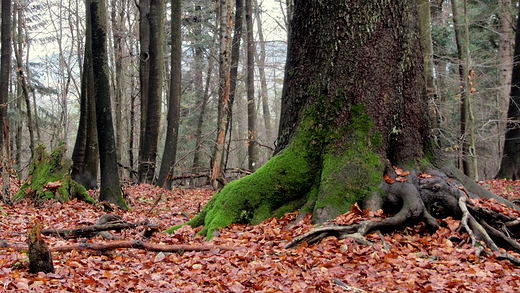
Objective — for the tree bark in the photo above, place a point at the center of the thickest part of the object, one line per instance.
(40, 258)
(5, 77)
(252, 149)
(148, 155)
(354, 103)
(85, 155)
(144, 71)
(173, 117)
(510, 163)
(463, 93)
(226, 22)
(110, 189)
(260, 61)
(427, 46)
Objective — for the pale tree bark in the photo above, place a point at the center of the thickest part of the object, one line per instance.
(260, 61)
(203, 101)
(117, 20)
(110, 188)
(5, 77)
(510, 163)
(470, 83)
(173, 116)
(22, 81)
(252, 150)
(505, 52)
(235, 59)
(464, 92)
(427, 47)
(226, 22)
(201, 89)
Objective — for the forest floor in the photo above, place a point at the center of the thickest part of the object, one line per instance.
(409, 260)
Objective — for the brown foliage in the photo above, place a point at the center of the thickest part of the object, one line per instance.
(404, 261)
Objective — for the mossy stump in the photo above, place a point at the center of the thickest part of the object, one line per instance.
(49, 177)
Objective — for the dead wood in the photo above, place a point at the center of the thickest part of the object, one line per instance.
(40, 258)
(107, 222)
(137, 244)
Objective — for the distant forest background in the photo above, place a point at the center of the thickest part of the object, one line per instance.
(45, 84)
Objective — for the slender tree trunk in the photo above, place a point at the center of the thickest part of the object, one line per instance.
(505, 51)
(463, 73)
(117, 28)
(147, 165)
(196, 167)
(22, 79)
(260, 61)
(226, 22)
(144, 74)
(470, 90)
(252, 149)
(110, 188)
(5, 77)
(427, 46)
(172, 132)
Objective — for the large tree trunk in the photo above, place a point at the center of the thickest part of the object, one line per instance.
(510, 165)
(354, 102)
(86, 152)
(110, 189)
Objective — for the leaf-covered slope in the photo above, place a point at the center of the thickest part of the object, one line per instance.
(412, 261)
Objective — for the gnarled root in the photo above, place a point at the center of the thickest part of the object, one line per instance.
(413, 208)
(427, 198)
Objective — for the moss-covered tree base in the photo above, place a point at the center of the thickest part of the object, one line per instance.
(318, 173)
(49, 177)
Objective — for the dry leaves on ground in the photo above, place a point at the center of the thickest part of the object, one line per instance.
(409, 260)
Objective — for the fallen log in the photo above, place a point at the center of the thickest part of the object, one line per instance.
(136, 244)
(89, 231)
(105, 223)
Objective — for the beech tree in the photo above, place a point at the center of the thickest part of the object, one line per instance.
(5, 73)
(510, 163)
(354, 107)
(110, 189)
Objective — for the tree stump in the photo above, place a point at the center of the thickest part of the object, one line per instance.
(40, 258)
(49, 178)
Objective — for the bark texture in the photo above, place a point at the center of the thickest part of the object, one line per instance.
(354, 103)
(110, 189)
(510, 164)
(174, 102)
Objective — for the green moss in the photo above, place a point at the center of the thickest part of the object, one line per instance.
(47, 168)
(323, 166)
(352, 169)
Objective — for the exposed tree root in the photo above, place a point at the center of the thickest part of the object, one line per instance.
(426, 198)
